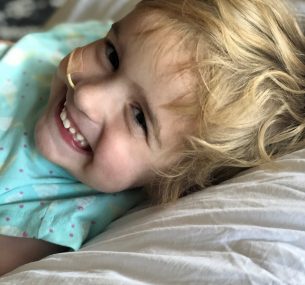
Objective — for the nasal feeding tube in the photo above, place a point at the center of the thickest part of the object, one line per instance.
(74, 65)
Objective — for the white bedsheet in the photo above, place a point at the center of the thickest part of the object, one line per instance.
(250, 230)
(82, 10)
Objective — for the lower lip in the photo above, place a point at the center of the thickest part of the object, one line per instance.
(65, 134)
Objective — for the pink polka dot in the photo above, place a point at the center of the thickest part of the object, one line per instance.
(25, 234)
(21, 206)
(71, 235)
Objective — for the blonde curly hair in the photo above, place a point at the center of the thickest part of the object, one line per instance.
(249, 59)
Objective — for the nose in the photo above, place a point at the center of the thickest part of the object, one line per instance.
(102, 99)
(79, 63)
(96, 91)
(74, 65)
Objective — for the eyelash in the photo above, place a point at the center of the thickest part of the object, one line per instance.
(139, 119)
(112, 55)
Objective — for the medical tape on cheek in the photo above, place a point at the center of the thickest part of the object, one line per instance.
(75, 65)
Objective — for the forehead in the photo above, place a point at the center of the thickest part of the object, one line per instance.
(147, 38)
(143, 23)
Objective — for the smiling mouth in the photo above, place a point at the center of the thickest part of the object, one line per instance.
(70, 132)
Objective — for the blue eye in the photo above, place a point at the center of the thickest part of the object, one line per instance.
(112, 55)
(139, 118)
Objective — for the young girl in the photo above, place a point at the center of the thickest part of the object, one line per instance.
(179, 95)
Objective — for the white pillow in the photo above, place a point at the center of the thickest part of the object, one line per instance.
(82, 10)
(249, 230)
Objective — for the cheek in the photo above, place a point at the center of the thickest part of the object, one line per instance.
(40, 136)
(123, 165)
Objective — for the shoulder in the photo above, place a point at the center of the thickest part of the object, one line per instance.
(59, 40)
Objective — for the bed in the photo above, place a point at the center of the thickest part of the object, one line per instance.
(248, 230)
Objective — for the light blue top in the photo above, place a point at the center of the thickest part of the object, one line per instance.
(38, 199)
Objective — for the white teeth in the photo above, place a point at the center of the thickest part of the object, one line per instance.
(67, 124)
(72, 131)
(83, 143)
(79, 137)
(63, 114)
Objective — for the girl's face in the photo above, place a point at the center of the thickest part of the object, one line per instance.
(112, 129)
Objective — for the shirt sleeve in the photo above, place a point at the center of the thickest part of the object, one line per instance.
(4, 47)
